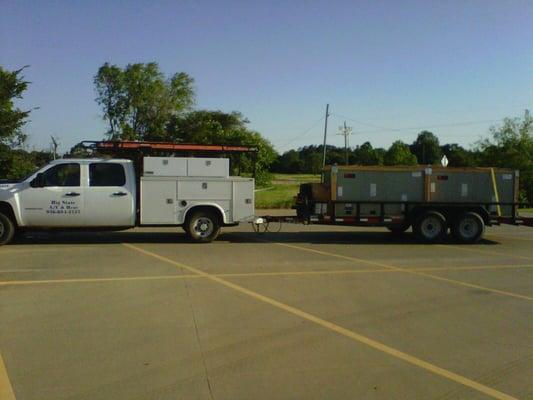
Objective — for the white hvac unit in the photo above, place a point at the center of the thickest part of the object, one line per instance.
(180, 166)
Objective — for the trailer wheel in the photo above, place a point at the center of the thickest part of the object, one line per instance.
(468, 228)
(203, 226)
(7, 229)
(430, 227)
(398, 229)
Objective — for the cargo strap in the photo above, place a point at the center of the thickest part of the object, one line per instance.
(496, 196)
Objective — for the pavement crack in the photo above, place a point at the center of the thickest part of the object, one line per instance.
(197, 333)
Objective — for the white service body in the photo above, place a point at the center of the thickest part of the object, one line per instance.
(102, 193)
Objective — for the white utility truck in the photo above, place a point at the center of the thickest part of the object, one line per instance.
(197, 194)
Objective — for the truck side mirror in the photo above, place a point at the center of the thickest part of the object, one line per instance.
(38, 181)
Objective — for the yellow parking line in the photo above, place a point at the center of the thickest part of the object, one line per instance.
(489, 252)
(337, 329)
(81, 280)
(258, 274)
(409, 271)
(6, 390)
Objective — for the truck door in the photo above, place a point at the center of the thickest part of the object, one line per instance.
(108, 199)
(59, 203)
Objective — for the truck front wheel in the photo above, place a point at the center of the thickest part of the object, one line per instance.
(203, 226)
(430, 227)
(7, 229)
(468, 228)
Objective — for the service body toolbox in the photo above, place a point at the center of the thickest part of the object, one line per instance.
(181, 166)
(166, 200)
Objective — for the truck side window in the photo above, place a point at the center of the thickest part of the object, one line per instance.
(106, 174)
(63, 175)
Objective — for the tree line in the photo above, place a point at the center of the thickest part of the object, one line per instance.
(509, 145)
(139, 102)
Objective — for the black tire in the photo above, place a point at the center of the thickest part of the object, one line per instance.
(7, 229)
(430, 227)
(398, 229)
(203, 226)
(468, 227)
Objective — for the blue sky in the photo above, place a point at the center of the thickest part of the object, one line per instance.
(391, 67)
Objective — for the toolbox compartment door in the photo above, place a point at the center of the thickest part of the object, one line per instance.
(243, 200)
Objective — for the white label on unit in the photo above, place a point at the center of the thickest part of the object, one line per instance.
(373, 189)
(339, 191)
(464, 189)
(404, 197)
(416, 174)
(432, 187)
(507, 177)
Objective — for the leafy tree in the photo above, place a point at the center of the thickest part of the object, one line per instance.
(290, 162)
(365, 154)
(426, 148)
(313, 163)
(399, 154)
(12, 119)
(458, 156)
(138, 101)
(511, 146)
(15, 162)
(217, 127)
(18, 163)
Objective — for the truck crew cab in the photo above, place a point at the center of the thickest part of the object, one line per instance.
(106, 194)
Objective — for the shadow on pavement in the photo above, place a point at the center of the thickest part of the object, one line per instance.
(178, 237)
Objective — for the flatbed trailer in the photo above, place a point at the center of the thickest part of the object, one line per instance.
(396, 224)
(460, 200)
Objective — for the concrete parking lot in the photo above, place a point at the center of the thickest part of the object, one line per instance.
(311, 312)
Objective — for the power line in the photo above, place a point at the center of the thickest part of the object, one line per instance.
(385, 129)
(302, 134)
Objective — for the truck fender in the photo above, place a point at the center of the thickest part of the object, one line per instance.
(216, 206)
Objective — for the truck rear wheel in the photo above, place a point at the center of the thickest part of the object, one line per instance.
(203, 226)
(7, 229)
(468, 227)
(430, 227)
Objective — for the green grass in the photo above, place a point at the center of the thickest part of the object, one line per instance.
(282, 190)
(292, 179)
(277, 196)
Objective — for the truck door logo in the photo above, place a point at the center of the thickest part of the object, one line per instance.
(63, 207)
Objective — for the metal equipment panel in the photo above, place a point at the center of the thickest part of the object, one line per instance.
(215, 167)
(243, 200)
(165, 166)
(158, 198)
(204, 189)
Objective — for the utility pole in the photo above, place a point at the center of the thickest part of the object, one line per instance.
(345, 131)
(325, 135)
